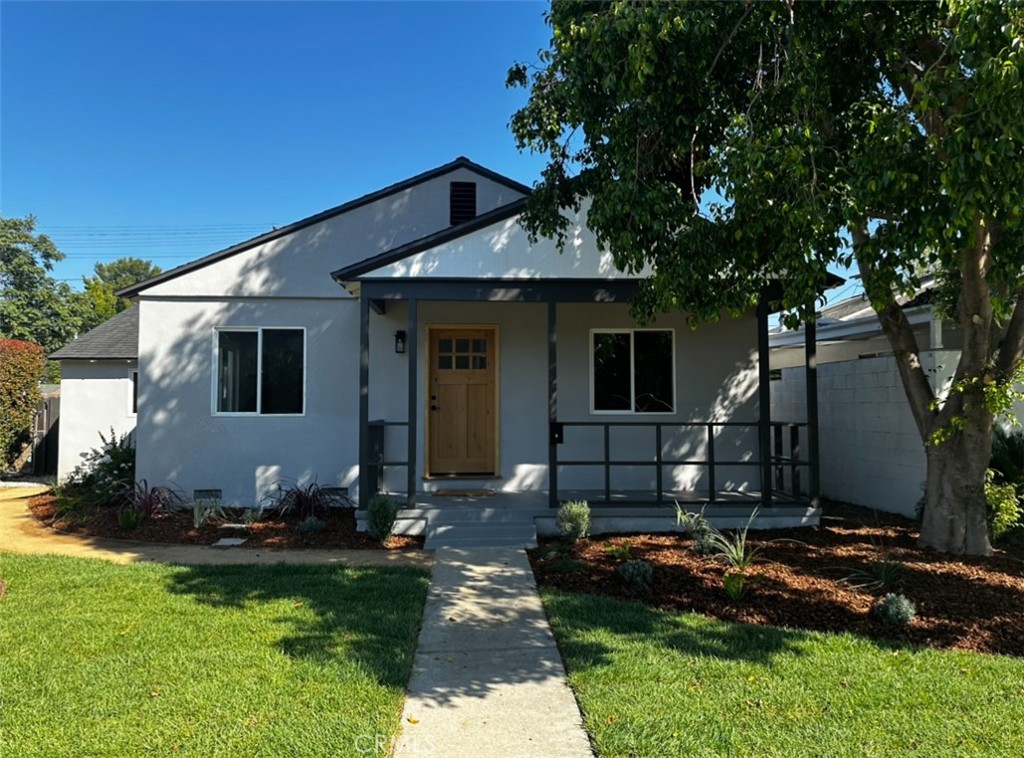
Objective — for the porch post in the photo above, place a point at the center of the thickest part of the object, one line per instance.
(764, 402)
(364, 401)
(552, 403)
(411, 341)
(811, 377)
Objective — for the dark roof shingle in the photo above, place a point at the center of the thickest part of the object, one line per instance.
(115, 338)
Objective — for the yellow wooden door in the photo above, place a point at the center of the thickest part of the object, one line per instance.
(461, 406)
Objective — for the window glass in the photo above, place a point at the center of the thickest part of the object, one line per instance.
(611, 371)
(652, 372)
(237, 372)
(135, 392)
(282, 383)
(633, 371)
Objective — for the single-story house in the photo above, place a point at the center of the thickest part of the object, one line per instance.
(414, 341)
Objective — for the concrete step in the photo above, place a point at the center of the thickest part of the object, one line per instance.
(482, 517)
(490, 535)
(458, 542)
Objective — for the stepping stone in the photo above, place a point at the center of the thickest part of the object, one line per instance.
(229, 542)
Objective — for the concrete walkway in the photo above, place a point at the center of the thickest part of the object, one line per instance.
(487, 678)
(21, 533)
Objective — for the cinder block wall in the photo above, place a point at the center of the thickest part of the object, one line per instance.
(871, 453)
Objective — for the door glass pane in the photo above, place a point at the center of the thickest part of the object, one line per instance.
(652, 365)
(479, 361)
(236, 372)
(444, 346)
(611, 372)
(444, 361)
(462, 361)
(282, 371)
(479, 346)
(461, 346)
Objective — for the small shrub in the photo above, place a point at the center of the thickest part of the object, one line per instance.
(1003, 502)
(573, 519)
(883, 573)
(894, 610)
(637, 573)
(128, 519)
(105, 476)
(302, 501)
(252, 515)
(734, 547)
(380, 517)
(621, 552)
(148, 501)
(736, 584)
(204, 510)
(697, 528)
(312, 525)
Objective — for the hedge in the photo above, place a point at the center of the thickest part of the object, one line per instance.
(21, 366)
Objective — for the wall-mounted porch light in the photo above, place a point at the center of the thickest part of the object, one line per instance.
(400, 341)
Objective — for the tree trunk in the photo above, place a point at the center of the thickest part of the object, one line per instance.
(956, 513)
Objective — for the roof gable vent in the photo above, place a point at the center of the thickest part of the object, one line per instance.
(462, 206)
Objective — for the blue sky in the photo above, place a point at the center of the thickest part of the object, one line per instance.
(170, 130)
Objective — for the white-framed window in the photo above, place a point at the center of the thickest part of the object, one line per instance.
(133, 398)
(259, 371)
(632, 371)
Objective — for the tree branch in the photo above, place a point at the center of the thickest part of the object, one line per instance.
(902, 339)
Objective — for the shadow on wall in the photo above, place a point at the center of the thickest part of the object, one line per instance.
(734, 402)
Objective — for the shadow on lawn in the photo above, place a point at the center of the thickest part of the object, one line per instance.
(582, 619)
(370, 615)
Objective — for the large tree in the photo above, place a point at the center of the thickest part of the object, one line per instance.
(732, 144)
(98, 290)
(33, 305)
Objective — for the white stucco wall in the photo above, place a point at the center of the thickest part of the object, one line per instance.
(300, 264)
(871, 452)
(95, 396)
(503, 250)
(181, 441)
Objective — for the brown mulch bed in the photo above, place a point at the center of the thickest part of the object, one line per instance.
(176, 528)
(804, 581)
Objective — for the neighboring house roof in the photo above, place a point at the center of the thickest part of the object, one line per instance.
(115, 338)
(460, 162)
(348, 273)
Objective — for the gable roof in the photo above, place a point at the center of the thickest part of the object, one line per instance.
(115, 338)
(396, 254)
(460, 162)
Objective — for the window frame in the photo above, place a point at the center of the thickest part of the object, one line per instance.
(215, 372)
(632, 371)
(133, 392)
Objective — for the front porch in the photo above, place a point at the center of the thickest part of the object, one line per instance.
(632, 468)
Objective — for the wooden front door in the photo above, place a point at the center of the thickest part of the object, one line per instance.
(461, 408)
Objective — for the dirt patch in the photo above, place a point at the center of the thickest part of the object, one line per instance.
(176, 528)
(807, 577)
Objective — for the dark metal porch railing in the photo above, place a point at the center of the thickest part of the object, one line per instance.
(378, 460)
(785, 458)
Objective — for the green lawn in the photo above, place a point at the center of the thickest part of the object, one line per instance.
(100, 659)
(657, 684)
